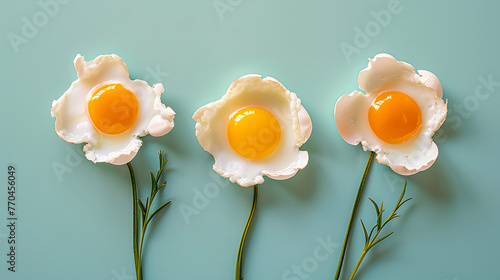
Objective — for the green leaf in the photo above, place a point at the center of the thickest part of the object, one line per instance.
(402, 195)
(163, 162)
(380, 239)
(379, 211)
(162, 185)
(153, 182)
(375, 205)
(379, 217)
(371, 231)
(406, 200)
(157, 211)
(365, 232)
(143, 210)
(157, 190)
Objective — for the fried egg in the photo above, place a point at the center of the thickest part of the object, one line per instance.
(109, 112)
(255, 129)
(396, 117)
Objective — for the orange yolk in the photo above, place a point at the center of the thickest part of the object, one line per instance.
(113, 109)
(253, 133)
(394, 117)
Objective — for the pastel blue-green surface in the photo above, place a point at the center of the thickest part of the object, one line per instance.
(76, 224)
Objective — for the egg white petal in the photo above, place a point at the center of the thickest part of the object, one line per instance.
(163, 122)
(233, 176)
(305, 123)
(430, 80)
(102, 68)
(299, 164)
(384, 69)
(113, 152)
(72, 123)
(350, 123)
(427, 159)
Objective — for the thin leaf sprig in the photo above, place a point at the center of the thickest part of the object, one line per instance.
(371, 239)
(147, 214)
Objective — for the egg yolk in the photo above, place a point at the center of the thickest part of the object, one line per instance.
(394, 117)
(253, 133)
(113, 109)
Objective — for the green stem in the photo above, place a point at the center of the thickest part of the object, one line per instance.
(142, 238)
(143, 233)
(240, 250)
(353, 214)
(359, 262)
(135, 222)
(139, 266)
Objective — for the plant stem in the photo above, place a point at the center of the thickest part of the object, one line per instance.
(143, 232)
(240, 250)
(359, 262)
(353, 214)
(135, 222)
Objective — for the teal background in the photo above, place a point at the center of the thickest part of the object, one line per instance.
(78, 226)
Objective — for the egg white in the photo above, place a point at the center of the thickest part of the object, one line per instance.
(253, 91)
(385, 74)
(73, 123)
